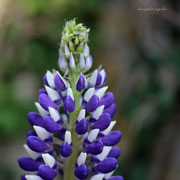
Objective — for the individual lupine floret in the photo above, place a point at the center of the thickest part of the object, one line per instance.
(81, 170)
(28, 164)
(81, 83)
(36, 144)
(69, 103)
(60, 82)
(85, 63)
(48, 170)
(66, 147)
(82, 124)
(97, 79)
(62, 62)
(74, 118)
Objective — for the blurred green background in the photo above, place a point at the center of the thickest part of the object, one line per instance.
(140, 50)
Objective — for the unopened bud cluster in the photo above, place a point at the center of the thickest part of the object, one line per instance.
(71, 132)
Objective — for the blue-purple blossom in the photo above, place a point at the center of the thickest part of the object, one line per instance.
(72, 133)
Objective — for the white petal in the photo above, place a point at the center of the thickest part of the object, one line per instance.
(64, 93)
(93, 135)
(104, 153)
(54, 114)
(81, 159)
(93, 79)
(97, 177)
(63, 65)
(84, 135)
(80, 101)
(100, 92)
(86, 81)
(82, 62)
(81, 115)
(109, 128)
(49, 160)
(89, 93)
(53, 94)
(41, 110)
(98, 112)
(31, 153)
(70, 93)
(67, 52)
(41, 132)
(64, 118)
(68, 138)
(33, 177)
(54, 72)
(50, 79)
(88, 63)
(108, 175)
(72, 62)
(86, 50)
(103, 74)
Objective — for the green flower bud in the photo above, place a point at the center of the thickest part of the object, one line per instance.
(75, 36)
(71, 45)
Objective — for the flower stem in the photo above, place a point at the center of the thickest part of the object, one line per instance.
(70, 161)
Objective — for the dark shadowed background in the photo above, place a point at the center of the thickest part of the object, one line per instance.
(138, 44)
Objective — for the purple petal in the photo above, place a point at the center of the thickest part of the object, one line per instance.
(81, 172)
(94, 159)
(81, 83)
(46, 172)
(82, 127)
(112, 138)
(42, 91)
(50, 125)
(99, 79)
(36, 144)
(111, 110)
(107, 100)
(95, 147)
(107, 165)
(92, 104)
(35, 119)
(115, 152)
(69, 104)
(116, 178)
(61, 171)
(59, 82)
(61, 133)
(65, 149)
(31, 133)
(45, 80)
(28, 164)
(46, 102)
(23, 177)
(103, 122)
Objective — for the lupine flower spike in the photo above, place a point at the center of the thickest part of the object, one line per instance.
(72, 131)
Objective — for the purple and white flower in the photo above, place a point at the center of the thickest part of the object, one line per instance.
(73, 122)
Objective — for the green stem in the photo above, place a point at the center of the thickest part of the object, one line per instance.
(70, 161)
